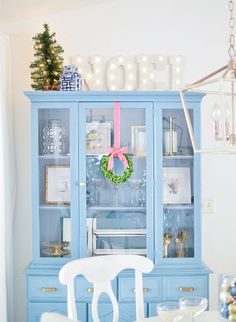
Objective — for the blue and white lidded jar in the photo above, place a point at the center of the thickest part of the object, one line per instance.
(70, 80)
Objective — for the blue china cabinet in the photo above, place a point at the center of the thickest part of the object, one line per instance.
(79, 213)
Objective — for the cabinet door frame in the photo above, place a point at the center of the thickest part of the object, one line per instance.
(158, 179)
(73, 111)
(108, 104)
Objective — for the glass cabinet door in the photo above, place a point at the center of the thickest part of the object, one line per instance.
(54, 184)
(117, 213)
(178, 187)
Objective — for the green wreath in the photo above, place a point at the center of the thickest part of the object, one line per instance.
(109, 175)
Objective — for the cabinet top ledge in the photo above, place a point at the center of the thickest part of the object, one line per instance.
(112, 95)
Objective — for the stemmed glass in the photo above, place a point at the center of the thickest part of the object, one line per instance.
(135, 185)
(193, 305)
(96, 182)
(170, 311)
(115, 187)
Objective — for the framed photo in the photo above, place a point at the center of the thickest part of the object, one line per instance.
(98, 137)
(139, 140)
(57, 184)
(176, 185)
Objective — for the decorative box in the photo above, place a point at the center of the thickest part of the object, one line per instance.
(70, 80)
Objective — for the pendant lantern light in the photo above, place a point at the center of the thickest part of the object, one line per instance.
(220, 90)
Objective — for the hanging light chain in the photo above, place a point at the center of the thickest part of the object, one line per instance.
(231, 50)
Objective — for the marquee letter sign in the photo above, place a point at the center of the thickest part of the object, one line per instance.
(120, 73)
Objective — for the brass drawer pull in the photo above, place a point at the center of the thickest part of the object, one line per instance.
(48, 289)
(90, 289)
(145, 290)
(186, 289)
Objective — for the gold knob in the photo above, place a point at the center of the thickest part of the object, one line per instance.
(82, 184)
(90, 289)
(186, 289)
(145, 290)
(48, 289)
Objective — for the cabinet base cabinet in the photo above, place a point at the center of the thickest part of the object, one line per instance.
(46, 294)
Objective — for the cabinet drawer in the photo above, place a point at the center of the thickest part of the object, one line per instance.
(45, 287)
(175, 287)
(152, 286)
(84, 290)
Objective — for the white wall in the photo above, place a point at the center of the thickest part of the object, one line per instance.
(195, 29)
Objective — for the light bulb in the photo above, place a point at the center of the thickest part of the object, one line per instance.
(144, 58)
(216, 112)
(121, 59)
(217, 118)
(88, 76)
(131, 76)
(227, 114)
(79, 59)
(97, 59)
(152, 76)
(98, 82)
(144, 69)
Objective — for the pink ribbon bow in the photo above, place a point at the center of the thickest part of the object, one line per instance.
(116, 153)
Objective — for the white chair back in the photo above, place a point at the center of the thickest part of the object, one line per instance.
(100, 271)
(55, 317)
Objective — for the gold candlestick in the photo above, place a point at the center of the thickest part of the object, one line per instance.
(179, 241)
(166, 243)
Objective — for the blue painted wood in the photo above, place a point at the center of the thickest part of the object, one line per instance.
(169, 274)
(153, 291)
(176, 287)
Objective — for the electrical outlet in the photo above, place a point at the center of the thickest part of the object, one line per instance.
(207, 206)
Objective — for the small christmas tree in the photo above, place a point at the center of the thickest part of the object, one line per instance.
(48, 66)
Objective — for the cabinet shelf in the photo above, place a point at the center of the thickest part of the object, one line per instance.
(176, 157)
(120, 232)
(99, 156)
(54, 207)
(176, 207)
(120, 251)
(54, 157)
(116, 208)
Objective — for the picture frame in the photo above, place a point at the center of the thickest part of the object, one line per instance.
(98, 137)
(66, 229)
(176, 185)
(139, 140)
(57, 184)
